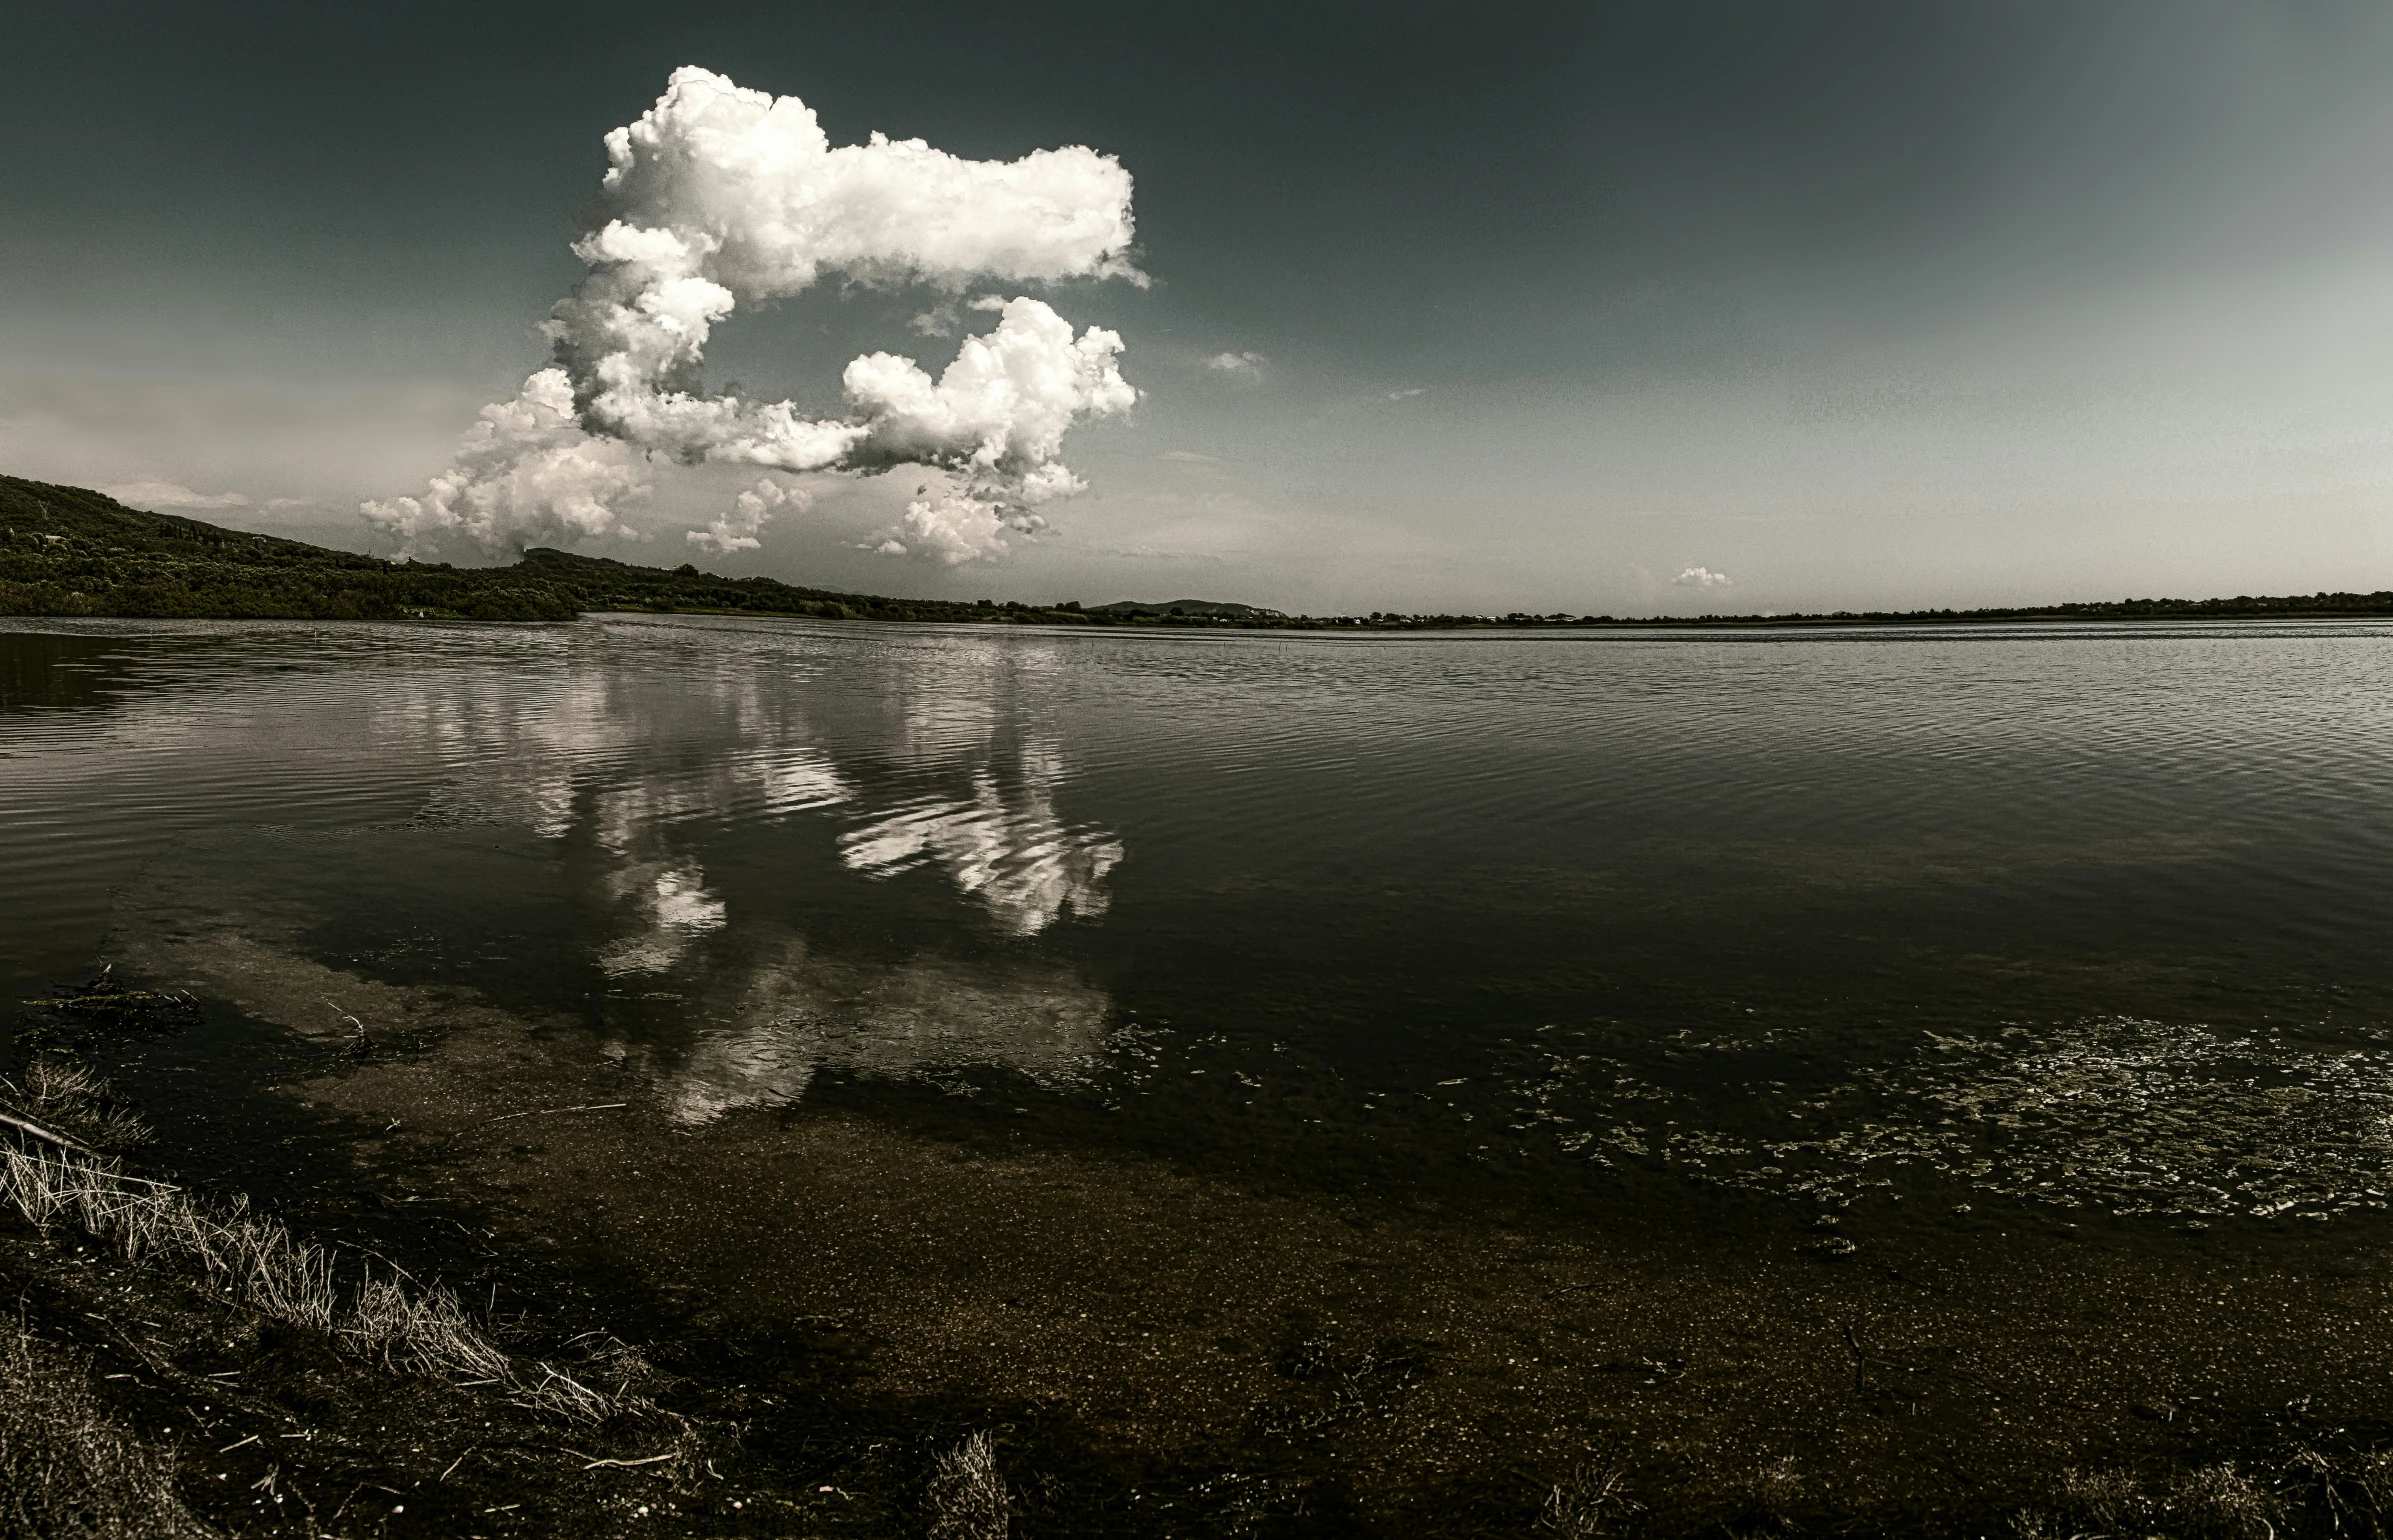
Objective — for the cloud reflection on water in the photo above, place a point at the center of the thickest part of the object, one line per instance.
(948, 780)
(1003, 845)
(672, 908)
(646, 778)
(804, 1012)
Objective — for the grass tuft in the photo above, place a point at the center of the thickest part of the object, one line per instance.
(2219, 1502)
(75, 1101)
(1594, 1502)
(426, 1333)
(967, 1498)
(262, 1264)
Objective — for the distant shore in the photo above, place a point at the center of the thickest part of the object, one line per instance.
(70, 551)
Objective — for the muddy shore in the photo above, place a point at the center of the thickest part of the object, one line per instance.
(835, 1298)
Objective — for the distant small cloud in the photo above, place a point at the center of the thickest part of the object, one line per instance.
(280, 502)
(1700, 577)
(167, 494)
(944, 319)
(1236, 363)
(1406, 395)
(1156, 553)
(1190, 457)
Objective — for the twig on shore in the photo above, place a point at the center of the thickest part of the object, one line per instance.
(245, 1443)
(595, 1462)
(360, 1043)
(541, 1112)
(126, 1338)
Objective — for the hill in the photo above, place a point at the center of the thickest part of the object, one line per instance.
(71, 551)
(1210, 608)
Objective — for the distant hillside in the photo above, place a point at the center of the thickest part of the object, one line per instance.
(1208, 607)
(71, 551)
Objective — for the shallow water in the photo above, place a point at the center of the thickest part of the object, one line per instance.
(2088, 919)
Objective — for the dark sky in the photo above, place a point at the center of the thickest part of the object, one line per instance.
(1535, 306)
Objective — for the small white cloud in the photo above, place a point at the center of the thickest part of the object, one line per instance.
(751, 511)
(1236, 363)
(1700, 577)
(955, 527)
(1190, 457)
(284, 502)
(166, 494)
(1407, 395)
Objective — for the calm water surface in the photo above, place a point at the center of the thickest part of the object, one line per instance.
(2082, 918)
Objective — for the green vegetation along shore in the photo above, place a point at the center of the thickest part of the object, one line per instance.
(72, 551)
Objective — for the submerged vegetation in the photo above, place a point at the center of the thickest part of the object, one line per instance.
(72, 551)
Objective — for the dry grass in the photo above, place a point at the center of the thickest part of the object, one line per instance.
(609, 1361)
(2208, 1502)
(426, 1332)
(967, 1498)
(1771, 1497)
(2219, 1502)
(1592, 1503)
(72, 1100)
(67, 1470)
(260, 1263)
(2108, 1499)
(542, 1387)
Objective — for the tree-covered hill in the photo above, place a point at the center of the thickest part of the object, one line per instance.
(1210, 608)
(71, 551)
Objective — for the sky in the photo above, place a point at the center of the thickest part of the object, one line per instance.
(1633, 309)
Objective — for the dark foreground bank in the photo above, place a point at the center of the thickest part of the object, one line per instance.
(71, 551)
(965, 1338)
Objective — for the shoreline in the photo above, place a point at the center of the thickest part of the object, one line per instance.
(82, 554)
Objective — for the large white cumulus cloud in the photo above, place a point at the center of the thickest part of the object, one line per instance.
(720, 196)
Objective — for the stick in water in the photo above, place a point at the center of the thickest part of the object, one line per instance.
(39, 1132)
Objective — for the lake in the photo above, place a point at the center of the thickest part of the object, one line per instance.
(1617, 1027)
